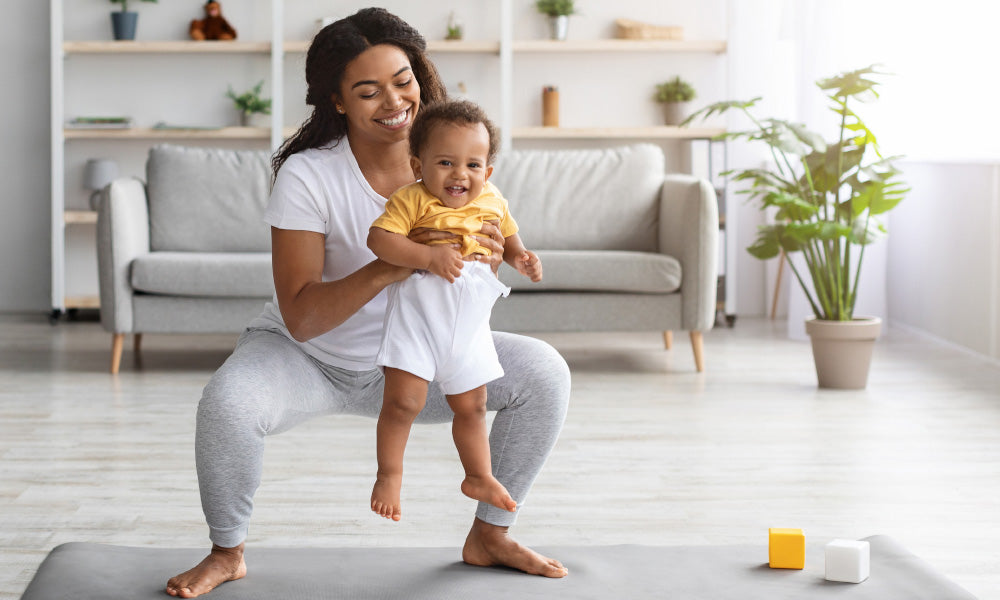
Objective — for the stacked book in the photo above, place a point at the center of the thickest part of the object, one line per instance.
(100, 123)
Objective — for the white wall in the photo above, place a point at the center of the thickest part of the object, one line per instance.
(24, 156)
(944, 254)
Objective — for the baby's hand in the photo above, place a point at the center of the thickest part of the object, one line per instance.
(529, 265)
(446, 262)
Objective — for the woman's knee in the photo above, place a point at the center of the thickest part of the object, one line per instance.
(536, 370)
(230, 401)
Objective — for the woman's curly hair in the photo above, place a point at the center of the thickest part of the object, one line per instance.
(331, 50)
(459, 112)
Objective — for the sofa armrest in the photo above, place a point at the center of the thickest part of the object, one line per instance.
(689, 231)
(122, 235)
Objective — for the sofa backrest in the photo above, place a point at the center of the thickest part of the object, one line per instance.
(207, 199)
(594, 199)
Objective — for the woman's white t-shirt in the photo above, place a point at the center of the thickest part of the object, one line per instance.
(323, 190)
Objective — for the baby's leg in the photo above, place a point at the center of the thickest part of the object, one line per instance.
(472, 440)
(403, 398)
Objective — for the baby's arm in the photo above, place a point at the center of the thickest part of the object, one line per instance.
(397, 249)
(525, 261)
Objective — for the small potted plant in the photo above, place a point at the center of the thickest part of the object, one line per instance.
(674, 95)
(828, 197)
(250, 103)
(123, 22)
(558, 12)
(454, 28)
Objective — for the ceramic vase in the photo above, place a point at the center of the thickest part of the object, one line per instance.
(842, 351)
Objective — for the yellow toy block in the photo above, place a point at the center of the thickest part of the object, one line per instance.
(786, 548)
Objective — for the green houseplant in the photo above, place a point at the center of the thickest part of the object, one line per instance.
(558, 12)
(674, 95)
(123, 22)
(827, 196)
(250, 102)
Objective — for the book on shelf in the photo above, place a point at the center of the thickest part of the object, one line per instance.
(163, 126)
(100, 123)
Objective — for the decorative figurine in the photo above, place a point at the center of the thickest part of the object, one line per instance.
(214, 26)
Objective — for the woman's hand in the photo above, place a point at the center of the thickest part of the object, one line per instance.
(422, 235)
(493, 240)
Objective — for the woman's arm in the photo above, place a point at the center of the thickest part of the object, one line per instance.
(310, 306)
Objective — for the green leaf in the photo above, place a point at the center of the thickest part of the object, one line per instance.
(810, 138)
(720, 108)
(767, 244)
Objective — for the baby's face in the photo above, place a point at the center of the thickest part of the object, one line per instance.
(453, 163)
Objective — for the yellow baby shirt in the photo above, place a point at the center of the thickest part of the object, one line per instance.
(413, 206)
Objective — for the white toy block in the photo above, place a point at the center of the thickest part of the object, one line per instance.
(848, 561)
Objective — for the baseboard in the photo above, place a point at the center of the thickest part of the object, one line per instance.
(995, 361)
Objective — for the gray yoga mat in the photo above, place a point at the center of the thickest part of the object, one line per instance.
(81, 571)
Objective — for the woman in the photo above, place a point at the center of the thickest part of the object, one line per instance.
(312, 351)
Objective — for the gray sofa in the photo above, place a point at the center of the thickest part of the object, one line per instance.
(624, 246)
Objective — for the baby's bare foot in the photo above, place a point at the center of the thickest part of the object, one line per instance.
(488, 490)
(221, 565)
(385, 496)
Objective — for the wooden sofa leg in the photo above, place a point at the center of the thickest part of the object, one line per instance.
(117, 341)
(136, 343)
(668, 339)
(697, 344)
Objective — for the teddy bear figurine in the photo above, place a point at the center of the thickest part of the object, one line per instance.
(214, 26)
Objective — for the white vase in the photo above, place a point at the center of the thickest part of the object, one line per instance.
(559, 27)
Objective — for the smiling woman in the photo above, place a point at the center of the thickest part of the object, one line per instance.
(312, 351)
(336, 46)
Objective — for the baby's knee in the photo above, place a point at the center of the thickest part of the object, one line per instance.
(404, 406)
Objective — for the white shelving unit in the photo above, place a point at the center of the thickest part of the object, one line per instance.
(507, 50)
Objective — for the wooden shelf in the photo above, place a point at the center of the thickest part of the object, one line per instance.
(663, 132)
(165, 47)
(150, 133)
(80, 217)
(442, 46)
(82, 302)
(602, 45)
(616, 45)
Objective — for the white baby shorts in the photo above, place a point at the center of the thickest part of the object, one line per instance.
(440, 331)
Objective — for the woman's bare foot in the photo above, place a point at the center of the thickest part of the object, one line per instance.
(488, 490)
(220, 566)
(385, 496)
(488, 545)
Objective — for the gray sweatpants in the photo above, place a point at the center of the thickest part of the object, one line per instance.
(268, 385)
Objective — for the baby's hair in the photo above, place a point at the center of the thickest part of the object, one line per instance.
(458, 112)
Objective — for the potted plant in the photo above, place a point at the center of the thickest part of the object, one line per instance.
(558, 12)
(454, 28)
(674, 94)
(123, 22)
(250, 103)
(828, 196)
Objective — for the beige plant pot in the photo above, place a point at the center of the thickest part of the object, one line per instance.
(674, 112)
(842, 351)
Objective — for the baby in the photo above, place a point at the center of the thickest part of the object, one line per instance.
(437, 321)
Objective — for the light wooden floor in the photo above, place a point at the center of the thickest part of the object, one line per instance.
(652, 452)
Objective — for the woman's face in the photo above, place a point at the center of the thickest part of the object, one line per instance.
(379, 95)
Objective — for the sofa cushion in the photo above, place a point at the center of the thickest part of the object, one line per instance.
(207, 199)
(592, 199)
(599, 271)
(220, 274)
